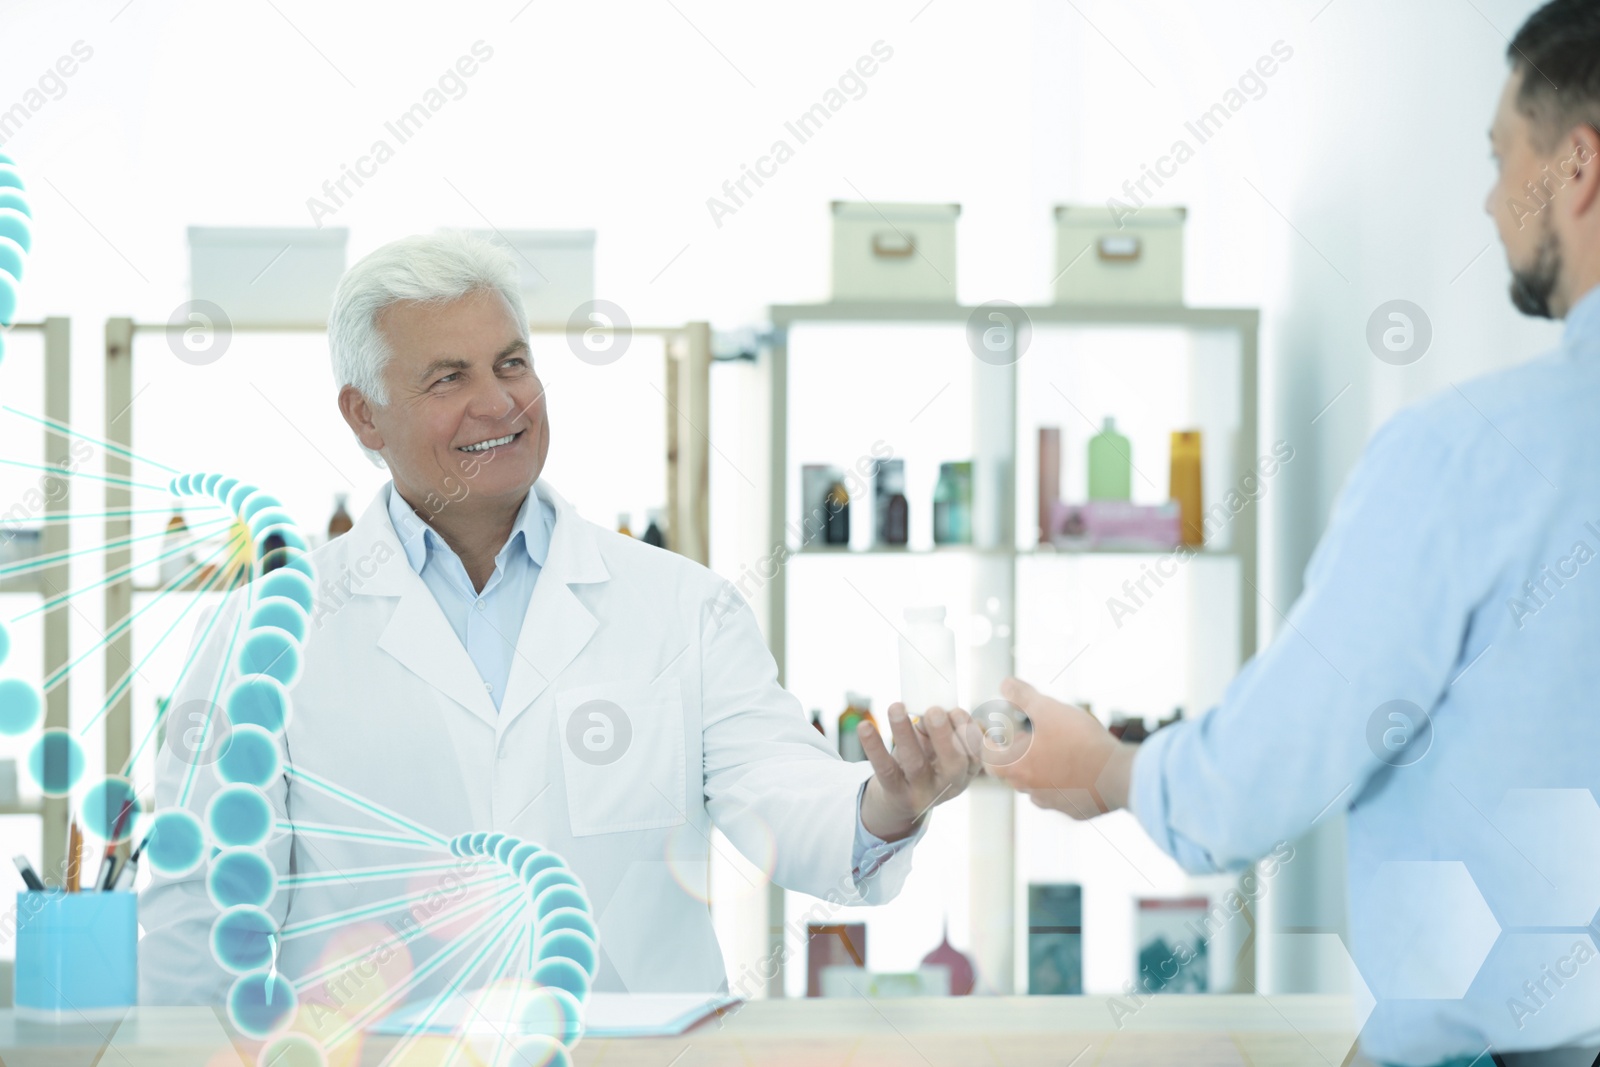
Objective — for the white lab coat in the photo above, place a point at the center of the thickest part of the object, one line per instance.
(389, 706)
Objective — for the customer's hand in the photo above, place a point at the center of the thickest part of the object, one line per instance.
(925, 768)
(1071, 762)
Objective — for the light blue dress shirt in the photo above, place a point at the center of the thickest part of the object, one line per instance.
(1459, 575)
(489, 622)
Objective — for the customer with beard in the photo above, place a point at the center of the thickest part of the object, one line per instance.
(1439, 678)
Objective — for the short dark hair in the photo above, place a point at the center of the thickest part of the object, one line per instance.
(1557, 51)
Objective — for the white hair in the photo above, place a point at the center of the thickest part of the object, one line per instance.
(432, 268)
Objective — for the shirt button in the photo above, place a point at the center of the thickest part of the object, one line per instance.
(480, 605)
(489, 686)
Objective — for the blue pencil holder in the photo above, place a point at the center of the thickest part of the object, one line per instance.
(77, 955)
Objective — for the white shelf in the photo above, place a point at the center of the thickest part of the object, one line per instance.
(1208, 355)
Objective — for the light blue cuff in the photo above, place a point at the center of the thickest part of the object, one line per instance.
(1150, 804)
(871, 851)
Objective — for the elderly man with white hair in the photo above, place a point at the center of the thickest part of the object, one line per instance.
(494, 663)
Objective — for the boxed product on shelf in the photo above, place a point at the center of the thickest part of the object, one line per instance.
(1055, 938)
(557, 269)
(1115, 524)
(267, 275)
(1107, 255)
(1172, 945)
(894, 251)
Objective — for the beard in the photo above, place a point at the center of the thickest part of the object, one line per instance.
(1532, 286)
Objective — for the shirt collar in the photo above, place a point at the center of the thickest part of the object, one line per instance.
(418, 539)
(1583, 321)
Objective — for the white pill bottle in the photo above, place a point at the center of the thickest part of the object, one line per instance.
(927, 662)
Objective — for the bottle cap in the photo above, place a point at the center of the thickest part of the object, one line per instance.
(857, 700)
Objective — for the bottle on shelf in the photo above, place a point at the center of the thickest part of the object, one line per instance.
(857, 709)
(816, 721)
(893, 513)
(652, 533)
(962, 972)
(340, 522)
(837, 530)
(622, 524)
(173, 562)
(1049, 481)
(927, 662)
(274, 552)
(1185, 486)
(952, 505)
(1110, 464)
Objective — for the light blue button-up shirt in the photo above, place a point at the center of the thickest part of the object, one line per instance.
(489, 622)
(1439, 681)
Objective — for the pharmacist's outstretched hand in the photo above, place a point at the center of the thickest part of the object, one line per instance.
(1070, 762)
(923, 770)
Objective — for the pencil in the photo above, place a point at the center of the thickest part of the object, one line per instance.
(74, 856)
(105, 875)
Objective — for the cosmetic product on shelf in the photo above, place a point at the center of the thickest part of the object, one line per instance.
(1175, 717)
(816, 481)
(836, 505)
(1117, 524)
(1185, 485)
(952, 959)
(1110, 464)
(340, 522)
(1171, 957)
(816, 721)
(623, 519)
(833, 945)
(927, 662)
(952, 504)
(1128, 728)
(177, 536)
(1049, 481)
(1055, 938)
(891, 512)
(652, 533)
(858, 708)
(274, 552)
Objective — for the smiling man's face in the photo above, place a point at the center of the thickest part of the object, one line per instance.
(459, 375)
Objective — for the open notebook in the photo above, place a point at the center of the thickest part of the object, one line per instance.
(605, 1015)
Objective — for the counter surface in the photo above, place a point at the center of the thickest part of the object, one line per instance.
(925, 1032)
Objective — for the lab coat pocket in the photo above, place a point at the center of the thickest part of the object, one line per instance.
(622, 753)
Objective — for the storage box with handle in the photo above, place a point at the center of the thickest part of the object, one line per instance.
(1119, 257)
(267, 275)
(894, 251)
